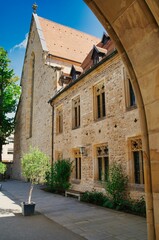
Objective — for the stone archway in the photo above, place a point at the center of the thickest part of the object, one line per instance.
(134, 27)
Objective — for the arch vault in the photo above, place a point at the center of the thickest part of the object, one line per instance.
(134, 27)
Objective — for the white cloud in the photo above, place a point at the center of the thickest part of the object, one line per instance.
(21, 45)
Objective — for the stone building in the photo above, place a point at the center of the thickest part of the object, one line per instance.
(51, 49)
(94, 119)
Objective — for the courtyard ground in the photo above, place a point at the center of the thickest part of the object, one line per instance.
(62, 218)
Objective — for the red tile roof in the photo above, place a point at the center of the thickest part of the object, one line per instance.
(88, 61)
(65, 42)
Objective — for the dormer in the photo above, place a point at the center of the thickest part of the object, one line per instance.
(75, 72)
(105, 38)
(64, 79)
(97, 54)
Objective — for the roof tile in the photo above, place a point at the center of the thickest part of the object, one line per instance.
(66, 42)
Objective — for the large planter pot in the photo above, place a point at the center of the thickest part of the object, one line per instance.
(28, 209)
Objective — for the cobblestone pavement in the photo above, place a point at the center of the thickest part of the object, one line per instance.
(86, 221)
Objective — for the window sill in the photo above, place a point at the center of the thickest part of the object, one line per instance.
(131, 108)
(136, 187)
(74, 128)
(59, 133)
(98, 183)
(75, 181)
(99, 119)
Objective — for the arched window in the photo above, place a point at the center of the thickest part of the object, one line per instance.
(30, 95)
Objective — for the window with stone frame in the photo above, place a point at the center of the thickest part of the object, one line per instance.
(129, 92)
(59, 120)
(77, 157)
(137, 159)
(99, 101)
(102, 157)
(76, 113)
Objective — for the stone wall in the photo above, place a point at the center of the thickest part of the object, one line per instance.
(45, 85)
(115, 129)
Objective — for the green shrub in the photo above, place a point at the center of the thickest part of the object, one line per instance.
(3, 168)
(94, 197)
(139, 207)
(108, 203)
(116, 184)
(57, 179)
(128, 205)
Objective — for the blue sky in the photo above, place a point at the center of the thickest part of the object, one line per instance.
(15, 20)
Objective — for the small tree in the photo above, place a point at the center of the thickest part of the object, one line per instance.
(35, 164)
(9, 95)
(116, 184)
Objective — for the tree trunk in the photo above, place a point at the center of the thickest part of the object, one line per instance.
(30, 193)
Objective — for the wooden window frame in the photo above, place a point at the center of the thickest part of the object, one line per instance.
(102, 162)
(130, 99)
(99, 101)
(59, 120)
(76, 113)
(136, 172)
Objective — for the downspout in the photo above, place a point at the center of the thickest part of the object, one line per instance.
(52, 152)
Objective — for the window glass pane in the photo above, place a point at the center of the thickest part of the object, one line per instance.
(79, 115)
(79, 168)
(98, 107)
(132, 95)
(76, 166)
(103, 104)
(106, 167)
(142, 166)
(137, 167)
(76, 117)
(100, 169)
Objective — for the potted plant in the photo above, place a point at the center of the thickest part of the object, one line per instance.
(3, 169)
(35, 164)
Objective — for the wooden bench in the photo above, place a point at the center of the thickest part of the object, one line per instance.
(73, 193)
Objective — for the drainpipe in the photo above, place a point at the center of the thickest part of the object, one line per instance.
(52, 152)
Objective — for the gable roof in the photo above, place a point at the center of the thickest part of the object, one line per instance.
(65, 42)
(106, 48)
(100, 50)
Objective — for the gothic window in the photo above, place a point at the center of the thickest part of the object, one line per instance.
(77, 157)
(30, 99)
(132, 100)
(137, 156)
(76, 113)
(59, 120)
(102, 154)
(129, 92)
(99, 101)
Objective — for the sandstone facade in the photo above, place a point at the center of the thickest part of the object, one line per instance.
(42, 68)
(46, 75)
(115, 130)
